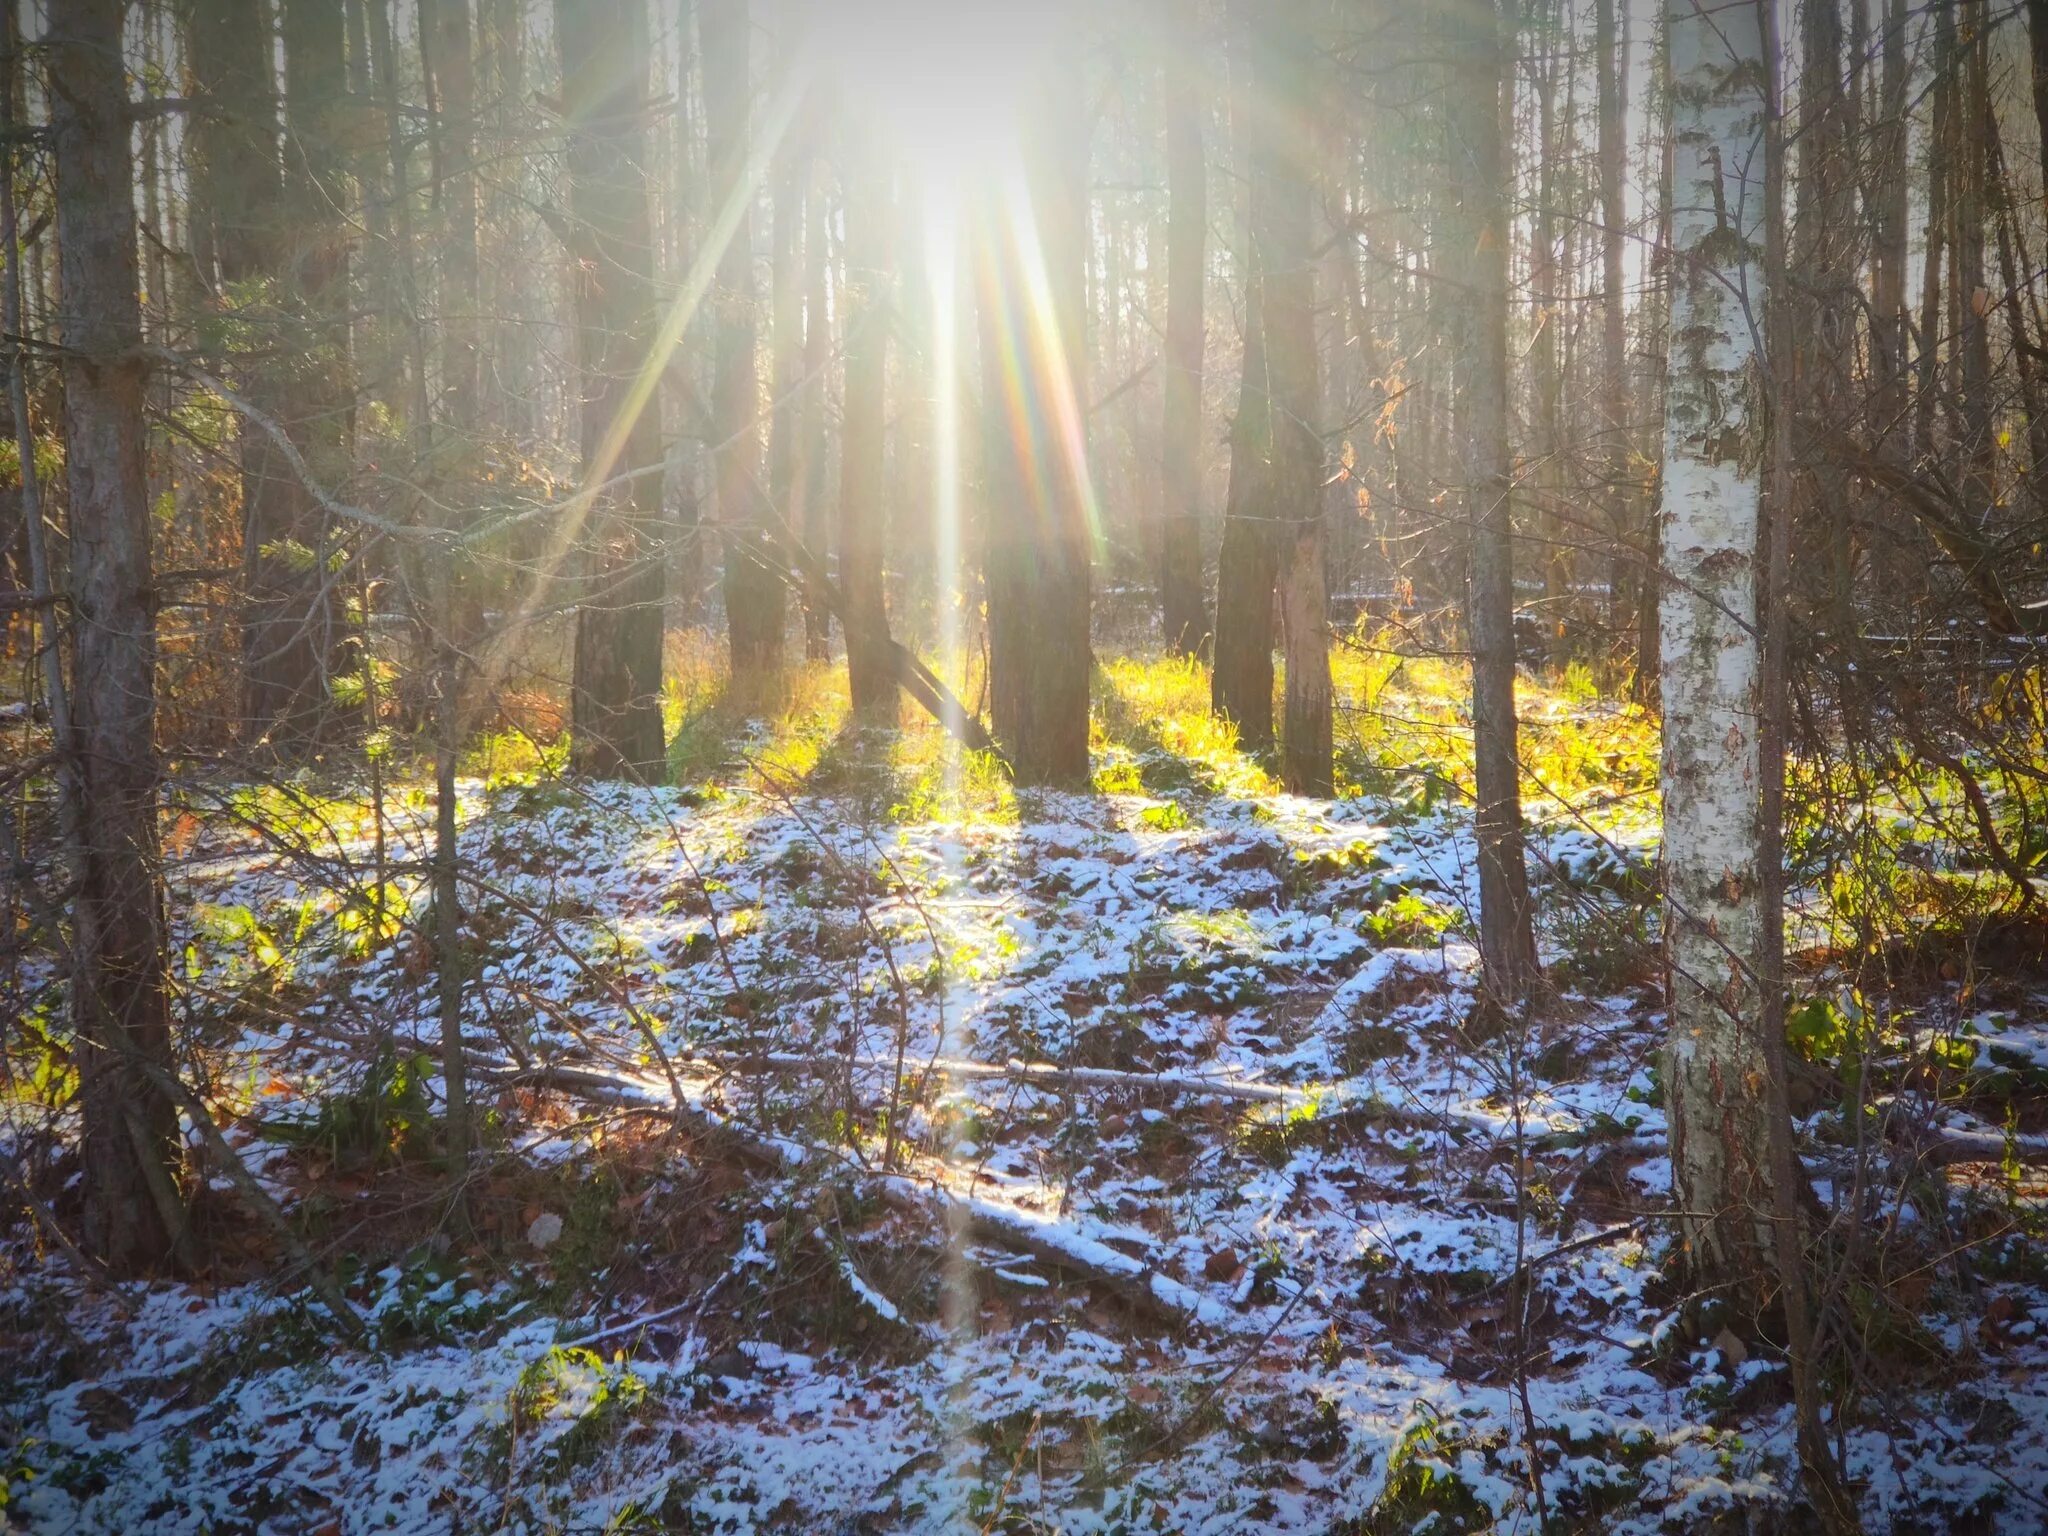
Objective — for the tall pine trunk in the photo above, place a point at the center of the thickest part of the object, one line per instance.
(2037, 46)
(1476, 324)
(1247, 564)
(1294, 500)
(753, 591)
(1183, 605)
(1037, 564)
(1970, 300)
(1614, 401)
(1889, 312)
(120, 1000)
(811, 520)
(615, 690)
(1822, 322)
(870, 664)
(295, 648)
(445, 38)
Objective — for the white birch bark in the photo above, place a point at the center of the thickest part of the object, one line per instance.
(1716, 1065)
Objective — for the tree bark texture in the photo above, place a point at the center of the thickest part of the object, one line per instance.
(615, 690)
(120, 1003)
(1716, 1069)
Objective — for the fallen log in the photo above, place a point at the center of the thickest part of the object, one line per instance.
(1948, 1150)
(1031, 1073)
(1059, 1245)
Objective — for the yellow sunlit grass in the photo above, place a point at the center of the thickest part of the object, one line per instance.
(1153, 714)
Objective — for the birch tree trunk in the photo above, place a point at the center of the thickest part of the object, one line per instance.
(120, 1003)
(1716, 1071)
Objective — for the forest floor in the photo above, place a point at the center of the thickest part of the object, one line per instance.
(854, 1286)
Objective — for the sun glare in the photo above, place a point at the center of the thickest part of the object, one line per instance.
(941, 86)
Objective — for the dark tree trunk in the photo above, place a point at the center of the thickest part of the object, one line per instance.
(2037, 40)
(295, 642)
(1614, 404)
(1247, 564)
(1822, 322)
(753, 591)
(1546, 381)
(1183, 604)
(870, 659)
(1294, 500)
(1040, 546)
(237, 186)
(233, 143)
(120, 1004)
(615, 701)
(811, 518)
(445, 39)
(786, 444)
(1475, 247)
(445, 35)
(1890, 203)
(1649, 630)
(1970, 300)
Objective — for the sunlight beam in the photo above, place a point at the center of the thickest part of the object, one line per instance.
(597, 472)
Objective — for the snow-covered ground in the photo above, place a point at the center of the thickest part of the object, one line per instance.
(1424, 1279)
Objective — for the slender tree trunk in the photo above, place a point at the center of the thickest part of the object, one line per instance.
(615, 693)
(1940, 144)
(811, 519)
(753, 592)
(1778, 509)
(1970, 300)
(445, 41)
(1041, 525)
(1183, 605)
(1546, 380)
(786, 444)
(445, 35)
(1247, 564)
(1893, 188)
(2012, 262)
(1476, 322)
(295, 636)
(1649, 610)
(1294, 507)
(1822, 330)
(1614, 401)
(119, 995)
(2037, 44)
(870, 659)
(501, 28)
(1717, 1067)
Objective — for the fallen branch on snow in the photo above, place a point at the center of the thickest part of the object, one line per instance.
(1058, 1244)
